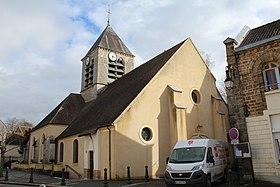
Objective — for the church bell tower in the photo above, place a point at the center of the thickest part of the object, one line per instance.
(107, 60)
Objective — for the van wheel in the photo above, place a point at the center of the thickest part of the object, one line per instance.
(208, 181)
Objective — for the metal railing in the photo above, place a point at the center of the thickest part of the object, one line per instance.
(67, 167)
(271, 87)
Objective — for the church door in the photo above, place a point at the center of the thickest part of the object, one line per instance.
(91, 164)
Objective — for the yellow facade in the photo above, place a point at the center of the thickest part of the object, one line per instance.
(68, 156)
(165, 106)
(38, 135)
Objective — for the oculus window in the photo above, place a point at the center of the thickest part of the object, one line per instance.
(146, 134)
(195, 96)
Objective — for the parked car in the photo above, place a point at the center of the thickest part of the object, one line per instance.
(197, 162)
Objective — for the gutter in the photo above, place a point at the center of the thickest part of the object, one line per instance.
(110, 152)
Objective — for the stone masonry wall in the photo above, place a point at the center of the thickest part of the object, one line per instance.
(235, 96)
(249, 88)
(261, 145)
(250, 64)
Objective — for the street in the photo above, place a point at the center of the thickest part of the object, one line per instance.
(10, 185)
(21, 178)
(155, 183)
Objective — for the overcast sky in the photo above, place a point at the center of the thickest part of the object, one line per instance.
(42, 42)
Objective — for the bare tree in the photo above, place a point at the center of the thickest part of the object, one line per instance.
(222, 89)
(13, 123)
(207, 59)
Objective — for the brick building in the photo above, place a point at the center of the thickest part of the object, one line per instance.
(254, 98)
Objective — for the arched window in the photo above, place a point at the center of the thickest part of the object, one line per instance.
(271, 77)
(43, 139)
(75, 151)
(61, 150)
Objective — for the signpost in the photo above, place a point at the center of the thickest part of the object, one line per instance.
(233, 135)
(241, 150)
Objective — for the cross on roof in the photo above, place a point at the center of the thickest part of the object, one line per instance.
(109, 12)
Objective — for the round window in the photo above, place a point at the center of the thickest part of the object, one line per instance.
(146, 134)
(195, 96)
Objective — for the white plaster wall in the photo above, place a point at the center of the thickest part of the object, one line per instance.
(91, 144)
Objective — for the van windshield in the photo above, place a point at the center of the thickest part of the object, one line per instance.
(187, 155)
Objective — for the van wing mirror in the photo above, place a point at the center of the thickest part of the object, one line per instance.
(167, 159)
(210, 159)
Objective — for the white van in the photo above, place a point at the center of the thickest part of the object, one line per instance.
(197, 162)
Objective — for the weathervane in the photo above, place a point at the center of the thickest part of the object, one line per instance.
(109, 12)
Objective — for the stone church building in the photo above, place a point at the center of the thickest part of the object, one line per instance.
(254, 98)
(130, 117)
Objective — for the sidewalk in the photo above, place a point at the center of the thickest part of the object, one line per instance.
(23, 177)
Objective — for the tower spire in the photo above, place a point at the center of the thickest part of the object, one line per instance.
(109, 12)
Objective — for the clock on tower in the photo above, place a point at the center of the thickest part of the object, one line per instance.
(107, 60)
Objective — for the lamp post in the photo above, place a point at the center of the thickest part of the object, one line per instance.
(228, 81)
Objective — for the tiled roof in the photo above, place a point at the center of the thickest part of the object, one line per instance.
(117, 96)
(261, 34)
(65, 112)
(110, 40)
(14, 139)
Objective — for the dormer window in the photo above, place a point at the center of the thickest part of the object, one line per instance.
(271, 77)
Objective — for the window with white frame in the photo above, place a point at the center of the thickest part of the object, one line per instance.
(275, 126)
(277, 141)
(271, 77)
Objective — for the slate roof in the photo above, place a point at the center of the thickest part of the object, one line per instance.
(261, 34)
(14, 139)
(65, 112)
(117, 96)
(110, 40)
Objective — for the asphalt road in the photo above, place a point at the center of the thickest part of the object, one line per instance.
(22, 177)
(8, 185)
(159, 183)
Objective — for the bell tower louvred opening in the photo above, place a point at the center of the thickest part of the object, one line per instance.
(107, 60)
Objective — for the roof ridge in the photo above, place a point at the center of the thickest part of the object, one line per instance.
(50, 118)
(74, 93)
(61, 106)
(264, 25)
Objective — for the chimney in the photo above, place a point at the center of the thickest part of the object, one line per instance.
(230, 45)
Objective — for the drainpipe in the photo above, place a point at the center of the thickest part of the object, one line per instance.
(110, 153)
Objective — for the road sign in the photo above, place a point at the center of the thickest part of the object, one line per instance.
(242, 150)
(233, 133)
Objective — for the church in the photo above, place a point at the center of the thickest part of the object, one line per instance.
(130, 117)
